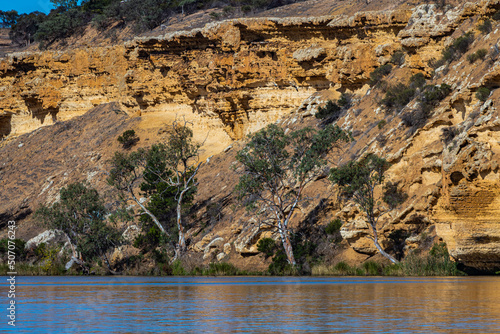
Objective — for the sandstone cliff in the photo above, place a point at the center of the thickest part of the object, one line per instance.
(234, 77)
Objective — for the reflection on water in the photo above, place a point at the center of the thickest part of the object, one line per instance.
(256, 304)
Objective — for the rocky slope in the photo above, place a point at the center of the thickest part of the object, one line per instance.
(234, 77)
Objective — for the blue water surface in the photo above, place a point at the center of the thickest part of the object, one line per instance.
(120, 304)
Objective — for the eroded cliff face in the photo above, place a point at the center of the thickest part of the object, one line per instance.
(229, 78)
(234, 77)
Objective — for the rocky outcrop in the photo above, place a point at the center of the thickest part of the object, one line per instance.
(229, 78)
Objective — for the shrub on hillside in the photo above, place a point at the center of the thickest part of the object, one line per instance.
(485, 27)
(459, 47)
(128, 139)
(479, 54)
(333, 110)
(483, 93)
(398, 58)
(399, 95)
(379, 73)
(333, 226)
(23, 32)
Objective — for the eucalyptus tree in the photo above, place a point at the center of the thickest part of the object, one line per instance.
(278, 167)
(168, 168)
(80, 214)
(182, 156)
(357, 181)
(126, 175)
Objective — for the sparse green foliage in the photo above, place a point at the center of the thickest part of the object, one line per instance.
(81, 215)
(496, 16)
(459, 47)
(482, 93)
(272, 159)
(302, 249)
(267, 246)
(331, 110)
(9, 17)
(379, 73)
(246, 8)
(435, 94)
(436, 263)
(431, 96)
(479, 54)
(345, 100)
(485, 27)
(399, 95)
(19, 248)
(127, 170)
(333, 227)
(398, 58)
(182, 157)
(357, 182)
(128, 139)
(381, 124)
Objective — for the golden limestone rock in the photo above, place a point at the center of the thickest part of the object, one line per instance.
(232, 78)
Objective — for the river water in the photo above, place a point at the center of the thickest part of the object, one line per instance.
(254, 305)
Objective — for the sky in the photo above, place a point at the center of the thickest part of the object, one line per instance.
(26, 6)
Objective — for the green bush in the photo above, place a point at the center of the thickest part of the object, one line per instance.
(333, 227)
(246, 9)
(479, 54)
(345, 101)
(417, 80)
(482, 93)
(221, 269)
(19, 248)
(485, 27)
(303, 251)
(397, 96)
(459, 47)
(267, 246)
(436, 263)
(398, 58)
(381, 124)
(435, 94)
(331, 111)
(496, 16)
(415, 119)
(372, 268)
(128, 139)
(379, 73)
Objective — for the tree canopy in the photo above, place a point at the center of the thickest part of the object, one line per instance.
(357, 181)
(80, 214)
(278, 166)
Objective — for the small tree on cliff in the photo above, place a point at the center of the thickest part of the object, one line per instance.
(126, 172)
(277, 168)
(357, 182)
(171, 166)
(182, 158)
(80, 215)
